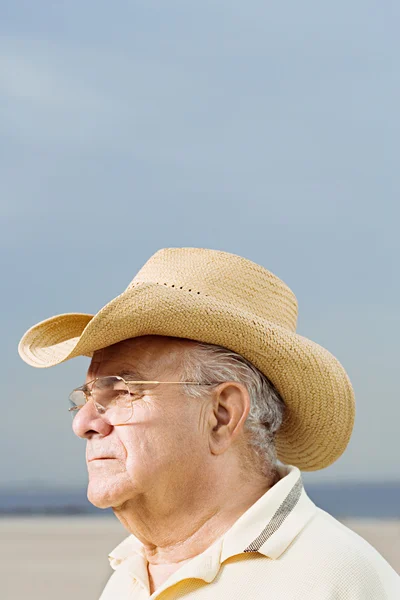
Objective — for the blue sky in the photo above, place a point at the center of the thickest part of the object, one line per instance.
(270, 130)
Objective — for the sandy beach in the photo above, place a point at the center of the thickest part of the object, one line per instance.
(64, 558)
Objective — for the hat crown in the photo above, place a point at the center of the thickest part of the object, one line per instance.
(224, 277)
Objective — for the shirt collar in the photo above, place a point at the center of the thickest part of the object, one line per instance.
(269, 526)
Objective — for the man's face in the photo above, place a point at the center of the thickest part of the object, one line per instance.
(164, 445)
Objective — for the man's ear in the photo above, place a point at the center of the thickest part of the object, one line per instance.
(231, 405)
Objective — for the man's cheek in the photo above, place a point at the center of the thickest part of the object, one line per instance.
(144, 458)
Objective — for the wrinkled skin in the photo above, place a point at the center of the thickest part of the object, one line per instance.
(172, 474)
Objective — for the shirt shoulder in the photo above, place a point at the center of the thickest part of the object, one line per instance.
(333, 557)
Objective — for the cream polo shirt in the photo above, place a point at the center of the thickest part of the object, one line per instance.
(282, 548)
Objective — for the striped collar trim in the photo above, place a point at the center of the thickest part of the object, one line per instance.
(272, 523)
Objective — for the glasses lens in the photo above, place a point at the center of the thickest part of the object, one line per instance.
(113, 399)
(76, 399)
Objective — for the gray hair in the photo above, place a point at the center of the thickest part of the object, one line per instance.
(207, 363)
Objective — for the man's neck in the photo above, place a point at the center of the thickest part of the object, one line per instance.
(171, 537)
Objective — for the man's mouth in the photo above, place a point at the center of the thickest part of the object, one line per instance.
(101, 458)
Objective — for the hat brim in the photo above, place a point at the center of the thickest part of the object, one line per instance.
(313, 384)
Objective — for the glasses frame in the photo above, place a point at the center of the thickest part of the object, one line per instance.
(88, 392)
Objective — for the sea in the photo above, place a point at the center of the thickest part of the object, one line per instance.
(345, 500)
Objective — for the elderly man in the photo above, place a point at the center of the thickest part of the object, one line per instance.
(197, 386)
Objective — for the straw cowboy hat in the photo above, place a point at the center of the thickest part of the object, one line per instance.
(220, 298)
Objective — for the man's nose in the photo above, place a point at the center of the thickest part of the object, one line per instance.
(87, 422)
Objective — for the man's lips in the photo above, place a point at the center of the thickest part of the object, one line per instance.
(101, 458)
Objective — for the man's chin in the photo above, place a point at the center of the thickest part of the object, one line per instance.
(98, 500)
(103, 496)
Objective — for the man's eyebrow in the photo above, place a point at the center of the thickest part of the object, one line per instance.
(132, 374)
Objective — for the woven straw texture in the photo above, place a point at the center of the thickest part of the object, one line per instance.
(223, 299)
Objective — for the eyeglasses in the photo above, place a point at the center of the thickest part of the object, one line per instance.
(113, 397)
